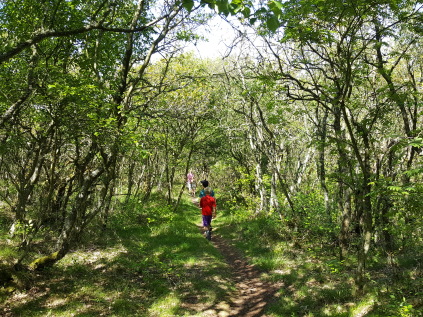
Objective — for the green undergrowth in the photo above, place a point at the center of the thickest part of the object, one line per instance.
(149, 262)
(152, 261)
(315, 282)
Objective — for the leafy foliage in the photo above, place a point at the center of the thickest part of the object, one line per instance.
(311, 135)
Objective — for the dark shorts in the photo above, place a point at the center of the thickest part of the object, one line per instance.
(207, 221)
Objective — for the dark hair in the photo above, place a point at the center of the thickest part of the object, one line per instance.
(205, 183)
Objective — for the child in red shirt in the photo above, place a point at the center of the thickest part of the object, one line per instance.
(208, 211)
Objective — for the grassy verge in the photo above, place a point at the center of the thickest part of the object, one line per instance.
(151, 262)
(315, 282)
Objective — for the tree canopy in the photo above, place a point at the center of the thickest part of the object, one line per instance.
(317, 124)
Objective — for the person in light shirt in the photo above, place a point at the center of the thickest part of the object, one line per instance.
(191, 183)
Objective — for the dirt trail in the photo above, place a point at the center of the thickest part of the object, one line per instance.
(252, 293)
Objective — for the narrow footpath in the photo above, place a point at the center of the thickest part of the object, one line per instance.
(252, 294)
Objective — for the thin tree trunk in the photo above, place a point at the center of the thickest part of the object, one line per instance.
(187, 165)
(344, 239)
(131, 181)
(274, 202)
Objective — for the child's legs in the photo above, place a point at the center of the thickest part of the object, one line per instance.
(207, 222)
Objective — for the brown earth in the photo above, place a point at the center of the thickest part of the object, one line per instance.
(252, 293)
(250, 298)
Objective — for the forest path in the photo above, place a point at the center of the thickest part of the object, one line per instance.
(252, 294)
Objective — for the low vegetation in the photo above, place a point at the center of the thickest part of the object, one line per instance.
(145, 264)
(309, 130)
(154, 262)
(315, 282)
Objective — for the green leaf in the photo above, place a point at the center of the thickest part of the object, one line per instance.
(414, 172)
(223, 7)
(188, 4)
(246, 12)
(253, 20)
(277, 4)
(395, 188)
(276, 7)
(416, 142)
(272, 23)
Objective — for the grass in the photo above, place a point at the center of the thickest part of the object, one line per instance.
(141, 267)
(153, 262)
(315, 282)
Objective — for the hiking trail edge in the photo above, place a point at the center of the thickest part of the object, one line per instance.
(252, 293)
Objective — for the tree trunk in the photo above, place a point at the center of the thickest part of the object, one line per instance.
(131, 181)
(366, 238)
(188, 163)
(274, 201)
(321, 161)
(344, 239)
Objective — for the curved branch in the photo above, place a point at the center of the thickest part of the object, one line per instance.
(39, 37)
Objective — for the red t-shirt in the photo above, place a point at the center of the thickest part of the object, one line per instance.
(207, 203)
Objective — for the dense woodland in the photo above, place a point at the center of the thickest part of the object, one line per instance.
(313, 120)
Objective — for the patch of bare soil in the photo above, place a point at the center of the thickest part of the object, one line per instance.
(252, 294)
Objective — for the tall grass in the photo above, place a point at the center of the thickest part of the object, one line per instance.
(149, 262)
(315, 282)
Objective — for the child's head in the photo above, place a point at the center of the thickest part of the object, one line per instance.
(205, 183)
(207, 191)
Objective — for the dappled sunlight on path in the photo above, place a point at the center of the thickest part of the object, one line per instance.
(252, 294)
